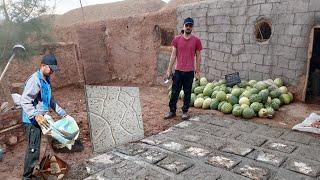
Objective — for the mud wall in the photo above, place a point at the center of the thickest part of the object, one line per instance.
(20, 70)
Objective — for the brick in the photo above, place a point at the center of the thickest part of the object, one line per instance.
(222, 66)
(237, 49)
(234, 38)
(222, 20)
(257, 59)
(262, 68)
(172, 146)
(267, 60)
(299, 42)
(304, 18)
(264, 49)
(284, 39)
(254, 10)
(251, 48)
(255, 75)
(293, 30)
(314, 5)
(307, 167)
(216, 55)
(193, 151)
(215, 72)
(283, 62)
(277, 71)
(237, 66)
(302, 53)
(220, 37)
(249, 66)
(265, 9)
(226, 48)
(202, 12)
(258, 1)
(214, 45)
(237, 20)
(245, 58)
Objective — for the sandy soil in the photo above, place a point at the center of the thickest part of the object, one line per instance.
(154, 102)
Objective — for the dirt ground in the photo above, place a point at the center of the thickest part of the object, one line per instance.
(154, 102)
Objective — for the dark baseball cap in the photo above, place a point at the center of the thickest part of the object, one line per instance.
(51, 61)
(188, 20)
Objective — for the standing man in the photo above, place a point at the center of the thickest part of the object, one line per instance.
(35, 101)
(186, 48)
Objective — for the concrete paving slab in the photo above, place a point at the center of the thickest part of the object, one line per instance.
(252, 171)
(193, 151)
(153, 156)
(200, 173)
(175, 164)
(114, 116)
(101, 162)
(223, 161)
(241, 150)
(279, 146)
(251, 139)
(297, 137)
(172, 146)
(284, 174)
(244, 126)
(269, 131)
(268, 157)
(307, 167)
(131, 149)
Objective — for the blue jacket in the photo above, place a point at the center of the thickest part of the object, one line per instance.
(37, 98)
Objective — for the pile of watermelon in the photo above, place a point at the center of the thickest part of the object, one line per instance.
(248, 99)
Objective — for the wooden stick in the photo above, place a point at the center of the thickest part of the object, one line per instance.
(10, 128)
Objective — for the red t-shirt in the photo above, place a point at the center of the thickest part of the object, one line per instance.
(186, 50)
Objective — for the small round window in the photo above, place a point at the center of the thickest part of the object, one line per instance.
(263, 30)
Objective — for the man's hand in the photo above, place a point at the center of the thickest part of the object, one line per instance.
(197, 74)
(42, 121)
(168, 73)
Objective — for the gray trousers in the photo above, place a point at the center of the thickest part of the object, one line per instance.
(33, 134)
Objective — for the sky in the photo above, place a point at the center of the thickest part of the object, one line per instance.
(62, 6)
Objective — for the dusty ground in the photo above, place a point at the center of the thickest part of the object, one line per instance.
(154, 102)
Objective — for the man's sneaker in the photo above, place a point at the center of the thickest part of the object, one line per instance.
(170, 115)
(185, 116)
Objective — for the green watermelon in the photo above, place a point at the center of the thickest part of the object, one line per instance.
(243, 84)
(263, 113)
(256, 106)
(203, 81)
(233, 100)
(206, 97)
(214, 104)
(236, 92)
(226, 108)
(237, 111)
(220, 105)
(206, 103)
(214, 94)
(192, 99)
(199, 90)
(208, 91)
(255, 98)
(244, 100)
(283, 90)
(285, 99)
(243, 106)
(260, 85)
(248, 113)
(264, 95)
(209, 85)
(270, 111)
(252, 82)
(278, 82)
(275, 93)
(246, 93)
(275, 104)
(221, 96)
(200, 96)
(254, 91)
(198, 102)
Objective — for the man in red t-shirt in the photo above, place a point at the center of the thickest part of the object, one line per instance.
(186, 48)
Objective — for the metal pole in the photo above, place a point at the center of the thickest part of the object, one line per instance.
(7, 66)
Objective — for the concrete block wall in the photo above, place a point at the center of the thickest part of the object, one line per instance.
(226, 28)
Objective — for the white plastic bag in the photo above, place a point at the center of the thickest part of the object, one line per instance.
(65, 130)
(16, 99)
(305, 126)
